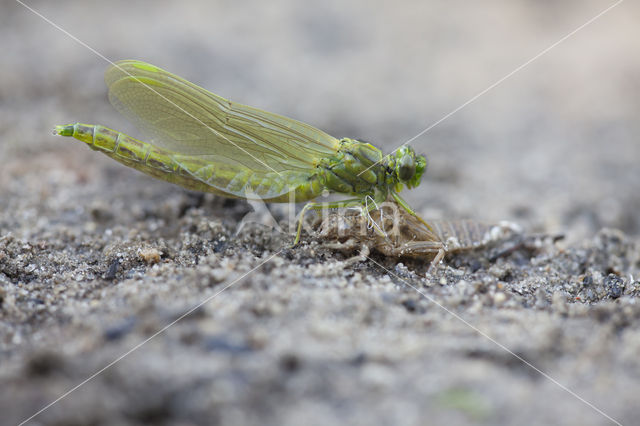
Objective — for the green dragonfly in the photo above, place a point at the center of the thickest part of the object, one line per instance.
(204, 142)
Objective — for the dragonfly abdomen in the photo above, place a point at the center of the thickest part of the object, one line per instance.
(118, 146)
(142, 156)
(192, 172)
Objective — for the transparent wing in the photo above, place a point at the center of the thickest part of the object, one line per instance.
(190, 121)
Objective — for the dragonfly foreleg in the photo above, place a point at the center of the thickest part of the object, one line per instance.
(370, 205)
(409, 210)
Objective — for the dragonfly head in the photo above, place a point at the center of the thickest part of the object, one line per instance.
(408, 167)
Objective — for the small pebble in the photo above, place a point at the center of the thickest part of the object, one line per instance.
(499, 298)
(150, 255)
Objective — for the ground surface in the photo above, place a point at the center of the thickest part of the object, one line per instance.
(96, 259)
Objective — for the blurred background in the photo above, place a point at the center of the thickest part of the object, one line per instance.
(553, 147)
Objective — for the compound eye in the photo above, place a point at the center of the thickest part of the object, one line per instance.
(407, 169)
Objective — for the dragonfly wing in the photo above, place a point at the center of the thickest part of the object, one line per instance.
(236, 180)
(190, 121)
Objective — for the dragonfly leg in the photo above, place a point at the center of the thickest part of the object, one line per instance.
(437, 259)
(409, 210)
(352, 202)
(371, 204)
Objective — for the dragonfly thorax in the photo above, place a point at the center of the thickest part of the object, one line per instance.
(359, 168)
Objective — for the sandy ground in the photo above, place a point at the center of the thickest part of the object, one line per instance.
(99, 264)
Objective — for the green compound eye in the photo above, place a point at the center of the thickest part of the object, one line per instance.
(407, 168)
(420, 162)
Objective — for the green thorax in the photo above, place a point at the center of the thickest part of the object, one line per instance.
(359, 168)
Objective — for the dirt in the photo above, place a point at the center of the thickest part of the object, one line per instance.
(125, 300)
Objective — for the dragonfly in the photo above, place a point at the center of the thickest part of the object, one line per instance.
(204, 142)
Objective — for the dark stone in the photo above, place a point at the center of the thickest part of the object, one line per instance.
(110, 275)
(614, 285)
